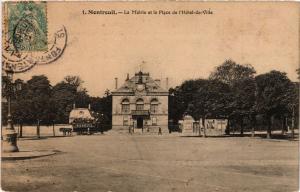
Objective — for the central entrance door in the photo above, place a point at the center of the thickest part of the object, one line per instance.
(139, 122)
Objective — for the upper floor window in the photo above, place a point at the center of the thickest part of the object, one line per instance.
(154, 106)
(125, 106)
(125, 120)
(140, 104)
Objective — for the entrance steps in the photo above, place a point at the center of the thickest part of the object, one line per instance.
(138, 131)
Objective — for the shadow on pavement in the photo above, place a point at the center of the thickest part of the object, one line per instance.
(258, 135)
(40, 138)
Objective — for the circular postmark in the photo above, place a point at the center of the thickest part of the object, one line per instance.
(15, 60)
(21, 61)
(56, 48)
(28, 36)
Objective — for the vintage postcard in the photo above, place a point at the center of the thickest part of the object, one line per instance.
(150, 96)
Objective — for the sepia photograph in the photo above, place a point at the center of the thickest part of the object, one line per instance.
(150, 96)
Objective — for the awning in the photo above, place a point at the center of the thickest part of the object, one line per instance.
(140, 113)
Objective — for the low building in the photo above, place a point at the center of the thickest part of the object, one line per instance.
(80, 113)
(186, 125)
(216, 123)
(213, 127)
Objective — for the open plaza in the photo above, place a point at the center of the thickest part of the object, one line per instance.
(148, 162)
(150, 97)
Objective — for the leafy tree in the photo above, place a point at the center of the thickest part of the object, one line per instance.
(37, 96)
(102, 106)
(213, 99)
(292, 99)
(181, 97)
(82, 99)
(176, 104)
(39, 102)
(31, 104)
(271, 97)
(31, 101)
(63, 96)
(243, 92)
(74, 81)
(19, 104)
(200, 98)
(5, 91)
(240, 79)
(230, 72)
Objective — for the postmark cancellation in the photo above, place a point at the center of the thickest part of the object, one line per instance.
(27, 25)
(25, 37)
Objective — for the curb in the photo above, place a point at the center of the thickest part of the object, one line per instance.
(22, 155)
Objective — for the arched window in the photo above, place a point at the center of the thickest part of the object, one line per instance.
(125, 106)
(154, 106)
(140, 104)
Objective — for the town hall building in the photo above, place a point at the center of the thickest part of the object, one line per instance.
(141, 102)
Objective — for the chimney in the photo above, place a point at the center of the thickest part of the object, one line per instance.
(116, 81)
(167, 83)
(157, 81)
(127, 78)
(89, 106)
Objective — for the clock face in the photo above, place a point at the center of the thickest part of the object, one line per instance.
(140, 87)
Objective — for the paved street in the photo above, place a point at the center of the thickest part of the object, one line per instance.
(115, 162)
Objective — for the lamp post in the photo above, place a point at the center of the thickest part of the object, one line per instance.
(293, 121)
(253, 113)
(102, 120)
(10, 135)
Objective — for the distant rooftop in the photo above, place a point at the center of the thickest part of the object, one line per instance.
(131, 84)
(80, 113)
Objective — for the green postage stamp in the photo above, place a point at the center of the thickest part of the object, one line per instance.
(25, 38)
(27, 25)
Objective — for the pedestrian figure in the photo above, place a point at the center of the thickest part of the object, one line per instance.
(130, 130)
(159, 131)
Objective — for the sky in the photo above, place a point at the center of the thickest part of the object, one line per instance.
(180, 47)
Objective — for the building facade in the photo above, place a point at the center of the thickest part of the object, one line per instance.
(140, 102)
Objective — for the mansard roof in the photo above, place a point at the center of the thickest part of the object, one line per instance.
(80, 113)
(130, 85)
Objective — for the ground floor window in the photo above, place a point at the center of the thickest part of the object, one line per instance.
(154, 121)
(125, 120)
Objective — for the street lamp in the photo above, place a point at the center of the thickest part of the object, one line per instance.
(10, 135)
(293, 121)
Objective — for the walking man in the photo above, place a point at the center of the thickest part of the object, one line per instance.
(159, 131)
